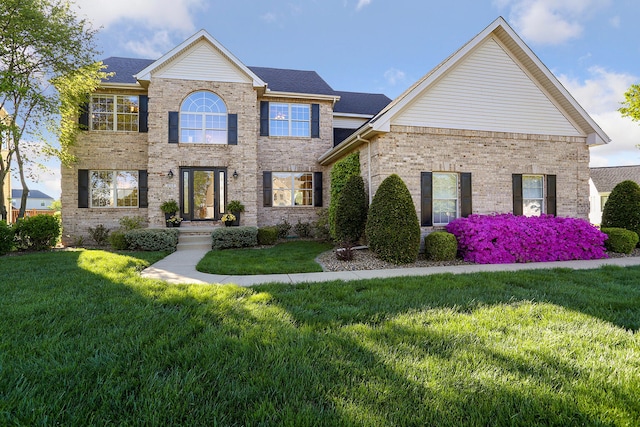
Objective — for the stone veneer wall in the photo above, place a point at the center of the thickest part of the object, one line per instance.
(491, 157)
(240, 98)
(287, 154)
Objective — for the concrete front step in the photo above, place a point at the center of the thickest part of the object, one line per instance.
(194, 238)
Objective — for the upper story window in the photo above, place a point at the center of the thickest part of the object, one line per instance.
(445, 197)
(112, 188)
(289, 119)
(203, 119)
(115, 112)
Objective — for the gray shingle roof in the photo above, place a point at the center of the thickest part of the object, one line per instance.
(33, 194)
(606, 178)
(361, 103)
(296, 81)
(125, 68)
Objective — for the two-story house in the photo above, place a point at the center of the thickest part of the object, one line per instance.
(490, 129)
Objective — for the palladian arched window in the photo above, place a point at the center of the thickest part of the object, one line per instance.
(203, 119)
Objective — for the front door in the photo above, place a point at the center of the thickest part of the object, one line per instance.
(202, 193)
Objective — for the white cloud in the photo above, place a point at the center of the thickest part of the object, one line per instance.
(362, 4)
(601, 95)
(269, 17)
(394, 76)
(153, 47)
(550, 21)
(615, 22)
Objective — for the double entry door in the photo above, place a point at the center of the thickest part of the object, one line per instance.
(202, 193)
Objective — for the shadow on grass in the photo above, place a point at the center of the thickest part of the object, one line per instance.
(86, 341)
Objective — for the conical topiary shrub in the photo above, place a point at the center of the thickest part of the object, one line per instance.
(622, 209)
(393, 230)
(351, 211)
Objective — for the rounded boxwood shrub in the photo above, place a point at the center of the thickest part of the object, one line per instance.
(393, 230)
(351, 211)
(6, 238)
(622, 209)
(620, 240)
(267, 235)
(37, 233)
(440, 246)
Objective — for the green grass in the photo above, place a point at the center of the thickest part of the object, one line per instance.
(283, 258)
(84, 340)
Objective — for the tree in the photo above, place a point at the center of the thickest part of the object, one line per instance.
(622, 209)
(631, 104)
(47, 71)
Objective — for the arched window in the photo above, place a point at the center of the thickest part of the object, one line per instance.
(203, 119)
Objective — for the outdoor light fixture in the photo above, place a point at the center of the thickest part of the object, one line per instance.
(235, 174)
(170, 174)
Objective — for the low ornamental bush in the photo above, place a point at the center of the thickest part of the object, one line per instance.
(506, 238)
(118, 241)
(148, 239)
(440, 246)
(267, 235)
(6, 238)
(234, 237)
(620, 240)
(37, 233)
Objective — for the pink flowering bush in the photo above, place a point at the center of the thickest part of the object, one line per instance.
(506, 238)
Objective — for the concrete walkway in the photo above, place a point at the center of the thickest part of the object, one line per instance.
(179, 267)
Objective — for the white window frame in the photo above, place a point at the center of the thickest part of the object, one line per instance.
(114, 125)
(285, 193)
(214, 109)
(285, 118)
(434, 199)
(110, 192)
(603, 200)
(527, 210)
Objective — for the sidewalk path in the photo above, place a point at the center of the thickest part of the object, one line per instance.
(180, 267)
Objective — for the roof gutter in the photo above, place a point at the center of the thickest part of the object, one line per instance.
(296, 95)
(353, 141)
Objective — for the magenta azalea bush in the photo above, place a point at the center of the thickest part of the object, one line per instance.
(506, 238)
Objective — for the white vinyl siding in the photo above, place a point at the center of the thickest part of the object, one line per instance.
(487, 91)
(203, 62)
(348, 122)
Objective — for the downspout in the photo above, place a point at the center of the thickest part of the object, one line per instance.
(359, 138)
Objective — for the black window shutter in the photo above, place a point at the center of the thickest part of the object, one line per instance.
(317, 189)
(315, 120)
(426, 202)
(264, 118)
(83, 119)
(174, 130)
(517, 193)
(232, 129)
(83, 188)
(143, 113)
(267, 185)
(466, 207)
(143, 190)
(551, 195)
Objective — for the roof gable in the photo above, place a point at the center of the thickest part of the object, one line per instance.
(200, 57)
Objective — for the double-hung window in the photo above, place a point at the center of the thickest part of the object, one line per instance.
(112, 188)
(115, 113)
(203, 119)
(292, 188)
(532, 195)
(289, 119)
(445, 197)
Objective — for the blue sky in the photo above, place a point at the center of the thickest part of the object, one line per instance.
(384, 46)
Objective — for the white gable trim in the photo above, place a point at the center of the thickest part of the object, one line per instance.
(145, 75)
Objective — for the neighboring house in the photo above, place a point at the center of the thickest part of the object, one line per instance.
(35, 200)
(488, 130)
(602, 182)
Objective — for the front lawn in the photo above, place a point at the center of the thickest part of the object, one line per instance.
(283, 258)
(84, 340)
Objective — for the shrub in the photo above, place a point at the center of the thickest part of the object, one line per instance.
(148, 239)
(6, 238)
(392, 229)
(283, 229)
(99, 234)
(620, 240)
(345, 252)
(506, 238)
(118, 241)
(132, 222)
(267, 235)
(234, 237)
(320, 227)
(36, 233)
(351, 211)
(440, 246)
(302, 229)
(622, 209)
(170, 206)
(341, 171)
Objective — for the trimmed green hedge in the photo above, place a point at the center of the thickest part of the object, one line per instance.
(267, 235)
(37, 233)
(620, 240)
(152, 239)
(341, 171)
(6, 238)
(234, 237)
(351, 212)
(440, 246)
(622, 209)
